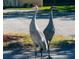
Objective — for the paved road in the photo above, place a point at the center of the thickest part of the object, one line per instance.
(63, 26)
(19, 20)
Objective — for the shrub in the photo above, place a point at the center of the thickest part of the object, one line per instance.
(27, 5)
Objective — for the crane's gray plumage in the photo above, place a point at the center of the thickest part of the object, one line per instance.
(36, 34)
(49, 30)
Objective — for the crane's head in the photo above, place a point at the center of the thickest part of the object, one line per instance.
(35, 8)
(51, 8)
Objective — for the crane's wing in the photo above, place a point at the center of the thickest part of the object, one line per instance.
(43, 39)
(49, 33)
(39, 39)
(49, 30)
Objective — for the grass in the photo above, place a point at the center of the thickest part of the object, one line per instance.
(66, 8)
(58, 8)
(60, 40)
(57, 40)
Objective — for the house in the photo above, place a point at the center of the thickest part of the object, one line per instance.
(21, 3)
(29, 3)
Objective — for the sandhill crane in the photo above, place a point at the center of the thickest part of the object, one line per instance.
(37, 35)
(49, 31)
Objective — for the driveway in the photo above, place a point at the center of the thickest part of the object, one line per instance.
(63, 26)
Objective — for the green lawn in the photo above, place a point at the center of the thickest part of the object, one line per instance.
(66, 8)
(58, 8)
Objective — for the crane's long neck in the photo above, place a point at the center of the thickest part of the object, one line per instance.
(51, 17)
(33, 25)
(34, 17)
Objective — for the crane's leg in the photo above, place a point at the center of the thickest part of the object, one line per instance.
(48, 52)
(49, 57)
(41, 53)
(35, 51)
(35, 54)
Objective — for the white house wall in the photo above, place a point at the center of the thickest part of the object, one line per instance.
(20, 3)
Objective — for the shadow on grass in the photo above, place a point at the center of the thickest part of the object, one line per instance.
(65, 51)
(40, 15)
